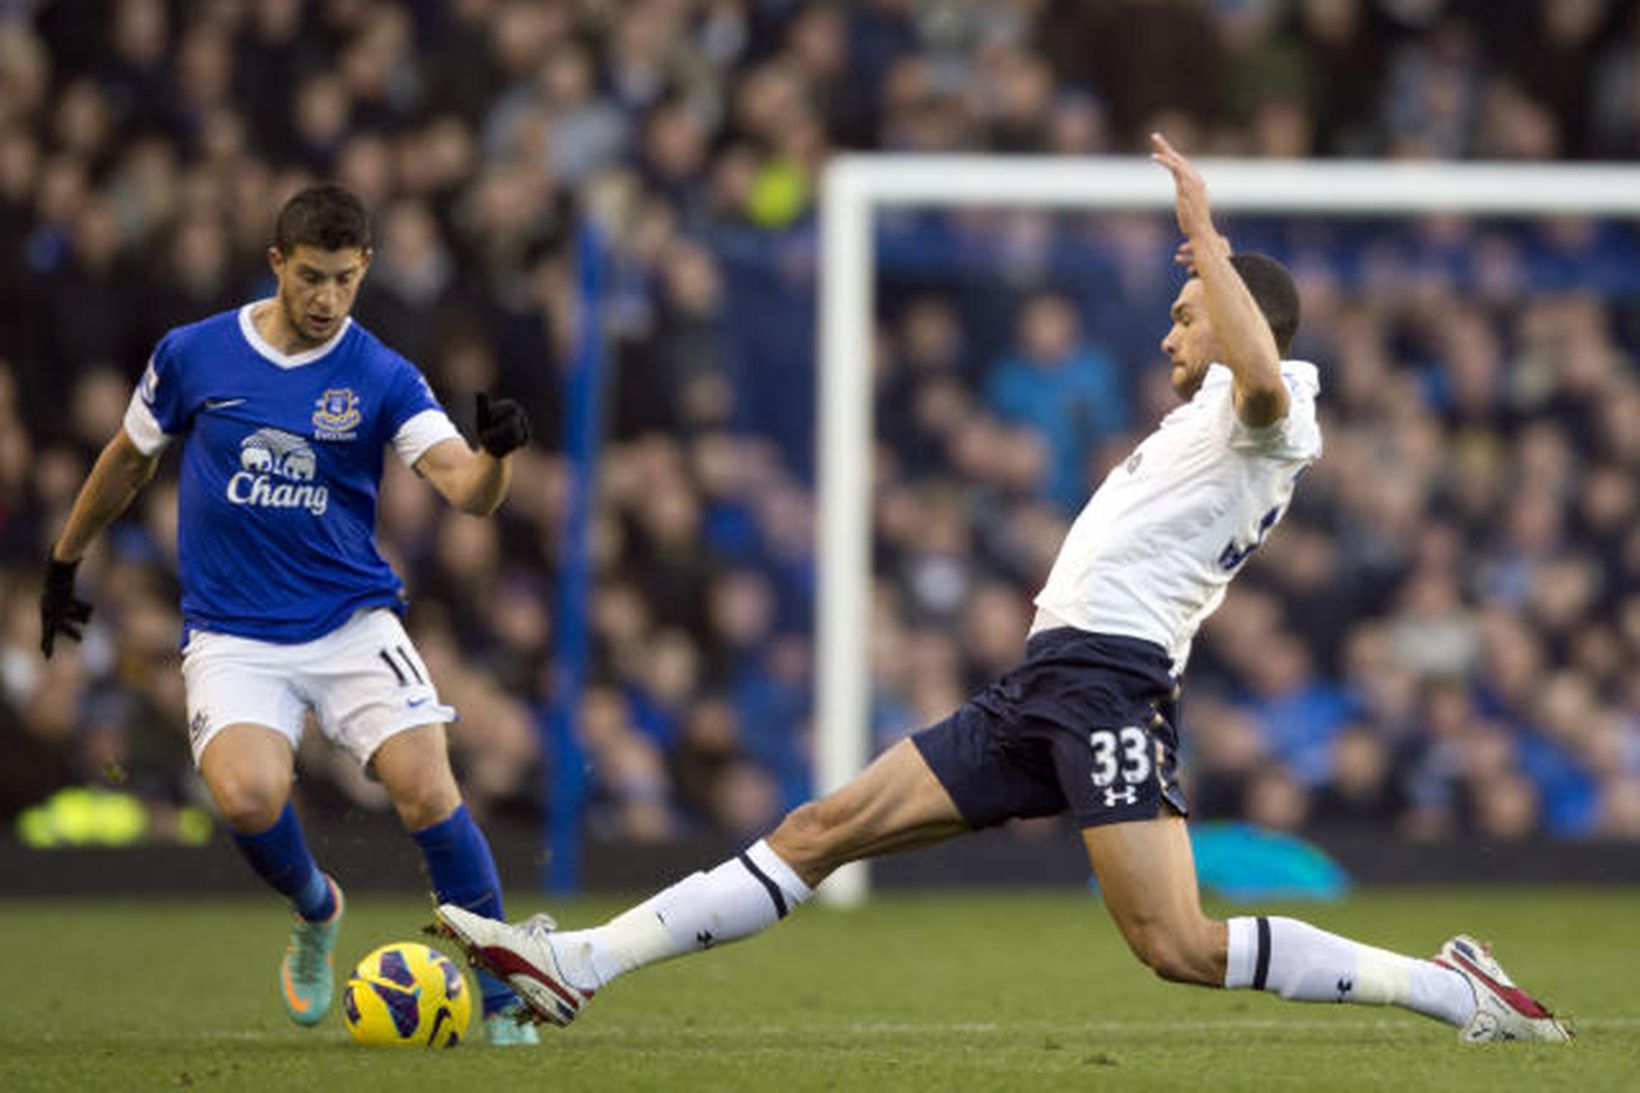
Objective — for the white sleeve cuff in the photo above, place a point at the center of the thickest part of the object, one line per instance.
(143, 428)
(421, 432)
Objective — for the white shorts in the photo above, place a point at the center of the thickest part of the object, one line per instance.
(363, 681)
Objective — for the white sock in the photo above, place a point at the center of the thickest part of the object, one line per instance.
(741, 897)
(1304, 964)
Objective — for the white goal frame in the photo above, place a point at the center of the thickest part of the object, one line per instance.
(855, 187)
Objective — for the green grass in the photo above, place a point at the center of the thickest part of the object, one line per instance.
(949, 992)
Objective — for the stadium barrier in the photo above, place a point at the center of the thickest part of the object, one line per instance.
(371, 854)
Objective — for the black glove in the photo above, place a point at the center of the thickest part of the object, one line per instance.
(502, 425)
(60, 610)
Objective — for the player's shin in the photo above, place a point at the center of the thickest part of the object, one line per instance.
(741, 897)
(463, 872)
(280, 856)
(1305, 964)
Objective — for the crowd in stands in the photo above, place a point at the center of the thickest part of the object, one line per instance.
(1439, 641)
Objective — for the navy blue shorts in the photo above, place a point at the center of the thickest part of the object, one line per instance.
(1086, 722)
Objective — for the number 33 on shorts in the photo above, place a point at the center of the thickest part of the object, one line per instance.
(1121, 755)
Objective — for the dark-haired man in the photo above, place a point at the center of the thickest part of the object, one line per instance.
(285, 408)
(1087, 723)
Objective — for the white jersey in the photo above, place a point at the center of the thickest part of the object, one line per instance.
(1153, 550)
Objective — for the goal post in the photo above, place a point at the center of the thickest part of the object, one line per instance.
(855, 187)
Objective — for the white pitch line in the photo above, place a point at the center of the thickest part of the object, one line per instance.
(1407, 1025)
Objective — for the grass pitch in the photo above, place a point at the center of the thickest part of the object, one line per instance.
(930, 992)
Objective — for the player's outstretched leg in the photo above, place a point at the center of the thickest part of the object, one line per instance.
(555, 972)
(1462, 986)
(896, 803)
(1148, 878)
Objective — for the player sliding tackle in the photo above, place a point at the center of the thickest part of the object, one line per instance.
(1087, 721)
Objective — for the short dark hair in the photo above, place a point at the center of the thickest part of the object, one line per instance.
(327, 216)
(1274, 292)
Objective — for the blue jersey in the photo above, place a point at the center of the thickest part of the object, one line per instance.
(281, 461)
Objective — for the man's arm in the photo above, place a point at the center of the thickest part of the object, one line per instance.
(120, 472)
(476, 482)
(1239, 327)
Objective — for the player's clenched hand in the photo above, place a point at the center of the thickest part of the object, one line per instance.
(1190, 192)
(503, 426)
(61, 612)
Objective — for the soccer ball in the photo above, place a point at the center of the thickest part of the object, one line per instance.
(407, 993)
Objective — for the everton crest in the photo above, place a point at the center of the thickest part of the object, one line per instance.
(336, 415)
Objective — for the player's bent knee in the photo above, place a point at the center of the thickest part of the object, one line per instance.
(1177, 956)
(806, 840)
(1172, 965)
(418, 811)
(422, 797)
(248, 805)
(800, 837)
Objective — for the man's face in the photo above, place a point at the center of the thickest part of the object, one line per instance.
(1189, 344)
(317, 287)
(1048, 330)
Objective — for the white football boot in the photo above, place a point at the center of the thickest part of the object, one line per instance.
(519, 954)
(1502, 1010)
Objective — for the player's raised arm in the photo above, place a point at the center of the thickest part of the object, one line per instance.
(476, 481)
(1245, 341)
(120, 471)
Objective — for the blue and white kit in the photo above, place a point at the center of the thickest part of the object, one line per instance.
(282, 457)
(281, 462)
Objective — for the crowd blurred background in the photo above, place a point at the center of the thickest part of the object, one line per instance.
(1439, 642)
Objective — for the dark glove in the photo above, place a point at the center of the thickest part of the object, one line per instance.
(503, 426)
(61, 612)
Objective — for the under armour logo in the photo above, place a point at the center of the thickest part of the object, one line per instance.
(1345, 985)
(705, 939)
(1127, 795)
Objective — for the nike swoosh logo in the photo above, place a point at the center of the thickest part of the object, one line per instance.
(1517, 999)
(221, 403)
(414, 702)
(294, 1000)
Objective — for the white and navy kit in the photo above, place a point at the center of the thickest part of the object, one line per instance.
(282, 458)
(1152, 552)
(1088, 720)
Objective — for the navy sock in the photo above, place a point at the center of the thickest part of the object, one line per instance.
(463, 873)
(280, 856)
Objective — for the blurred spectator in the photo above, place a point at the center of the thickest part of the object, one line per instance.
(1226, 750)
(1363, 792)
(1296, 713)
(1433, 92)
(1276, 799)
(412, 289)
(1061, 388)
(1345, 44)
(1146, 58)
